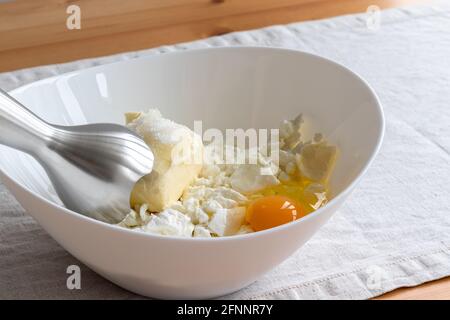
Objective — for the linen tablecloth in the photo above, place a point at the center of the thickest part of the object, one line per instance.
(393, 231)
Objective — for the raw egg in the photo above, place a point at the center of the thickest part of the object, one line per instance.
(273, 210)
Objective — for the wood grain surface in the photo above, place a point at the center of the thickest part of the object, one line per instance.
(434, 290)
(34, 32)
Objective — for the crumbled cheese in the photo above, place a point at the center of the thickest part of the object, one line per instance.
(284, 177)
(169, 222)
(226, 222)
(248, 178)
(291, 167)
(130, 221)
(201, 232)
(244, 229)
(136, 218)
(316, 161)
(214, 201)
(290, 132)
(211, 205)
(285, 157)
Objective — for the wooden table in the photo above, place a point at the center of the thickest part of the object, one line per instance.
(34, 32)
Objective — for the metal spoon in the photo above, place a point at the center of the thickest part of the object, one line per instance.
(93, 167)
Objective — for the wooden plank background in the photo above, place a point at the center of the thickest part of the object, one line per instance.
(33, 32)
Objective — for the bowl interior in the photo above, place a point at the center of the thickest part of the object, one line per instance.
(223, 87)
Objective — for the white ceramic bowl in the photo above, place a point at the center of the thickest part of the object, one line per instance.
(226, 88)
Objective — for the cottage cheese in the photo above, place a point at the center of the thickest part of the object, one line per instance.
(210, 199)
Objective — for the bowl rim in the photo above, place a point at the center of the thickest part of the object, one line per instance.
(115, 228)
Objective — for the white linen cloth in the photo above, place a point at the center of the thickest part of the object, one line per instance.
(393, 231)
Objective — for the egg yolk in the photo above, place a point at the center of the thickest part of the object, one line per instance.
(271, 211)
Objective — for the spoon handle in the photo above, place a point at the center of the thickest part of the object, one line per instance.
(20, 128)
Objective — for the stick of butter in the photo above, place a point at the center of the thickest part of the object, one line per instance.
(178, 159)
